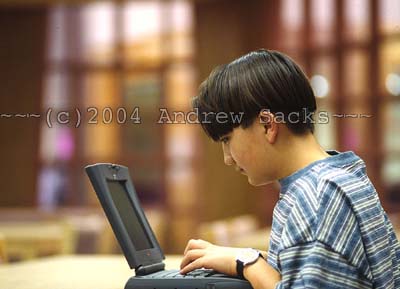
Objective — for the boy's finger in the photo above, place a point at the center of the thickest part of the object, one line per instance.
(197, 264)
(194, 244)
(192, 255)
(188, 246)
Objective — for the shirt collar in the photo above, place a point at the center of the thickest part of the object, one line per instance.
(336, 159)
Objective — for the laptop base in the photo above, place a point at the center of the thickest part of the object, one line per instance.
(187, 282)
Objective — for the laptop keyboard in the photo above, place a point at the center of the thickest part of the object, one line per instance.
(201, 273)
(198, 273)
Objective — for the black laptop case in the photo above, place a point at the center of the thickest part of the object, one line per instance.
(116, 193)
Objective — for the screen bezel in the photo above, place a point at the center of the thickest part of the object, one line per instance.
(99, 175)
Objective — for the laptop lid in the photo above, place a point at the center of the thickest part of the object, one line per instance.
(117, 195)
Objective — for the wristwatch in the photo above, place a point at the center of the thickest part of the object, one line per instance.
(244, 258)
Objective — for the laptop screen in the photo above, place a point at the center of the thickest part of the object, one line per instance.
(128, 215)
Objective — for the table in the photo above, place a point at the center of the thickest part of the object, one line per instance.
(72, 272)
(31, 239)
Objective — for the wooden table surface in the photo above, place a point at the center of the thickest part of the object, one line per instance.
(72, 272)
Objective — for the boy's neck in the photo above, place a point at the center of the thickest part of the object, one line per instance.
(298, 152)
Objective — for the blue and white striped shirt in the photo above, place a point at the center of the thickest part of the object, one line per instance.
(329, 229)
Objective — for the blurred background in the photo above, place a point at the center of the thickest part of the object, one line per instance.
(113, 64)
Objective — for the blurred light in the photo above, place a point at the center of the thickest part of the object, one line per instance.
(181, 15)
(292, 13)
(65, 144)
(57, 31)
(98, 24)
(322, 14)
(51, 187)
(393, 83)
(56, 90)
(389, 15)
(391, 170)
(98, 31)
(141, 19)
(357, 17)
(320, 86)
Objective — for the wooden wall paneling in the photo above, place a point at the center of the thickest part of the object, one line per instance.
(22, 34)
(375, 147)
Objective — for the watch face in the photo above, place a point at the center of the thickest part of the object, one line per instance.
(248, 256)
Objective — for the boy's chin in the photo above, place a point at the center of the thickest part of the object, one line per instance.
(256, 183)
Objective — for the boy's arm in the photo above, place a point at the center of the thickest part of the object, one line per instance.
(202, 254)
(261, 275)
(316, 265)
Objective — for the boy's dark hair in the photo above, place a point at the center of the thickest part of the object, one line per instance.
(262, 79)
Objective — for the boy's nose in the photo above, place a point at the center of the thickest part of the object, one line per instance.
(228, 160)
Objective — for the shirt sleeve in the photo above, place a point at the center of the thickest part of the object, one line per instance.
(315, 265)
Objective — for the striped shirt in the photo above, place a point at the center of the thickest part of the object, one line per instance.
(329, 229)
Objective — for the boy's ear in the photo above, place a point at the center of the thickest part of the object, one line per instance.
(267, 120)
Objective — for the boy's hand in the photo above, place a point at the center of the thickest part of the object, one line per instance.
(203, 254)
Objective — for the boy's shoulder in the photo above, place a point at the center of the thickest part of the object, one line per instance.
(340, 169)
(328, 197)
(335, 204)
(335, 184)
(326, 206)
(341, 175)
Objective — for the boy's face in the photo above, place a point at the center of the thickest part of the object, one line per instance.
(250, 150)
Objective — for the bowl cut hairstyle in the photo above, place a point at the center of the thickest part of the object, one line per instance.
(259, 80)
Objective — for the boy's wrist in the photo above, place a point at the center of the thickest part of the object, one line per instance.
(252, 269)
(260, 271)
(244, 258)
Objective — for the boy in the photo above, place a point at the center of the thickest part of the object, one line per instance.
(329, 229)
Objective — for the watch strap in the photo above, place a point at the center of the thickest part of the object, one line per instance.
(239, 269)
(240, 266)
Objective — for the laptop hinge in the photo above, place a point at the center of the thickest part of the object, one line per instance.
(145, 270)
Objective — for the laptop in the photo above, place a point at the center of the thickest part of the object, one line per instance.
(116, 193)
